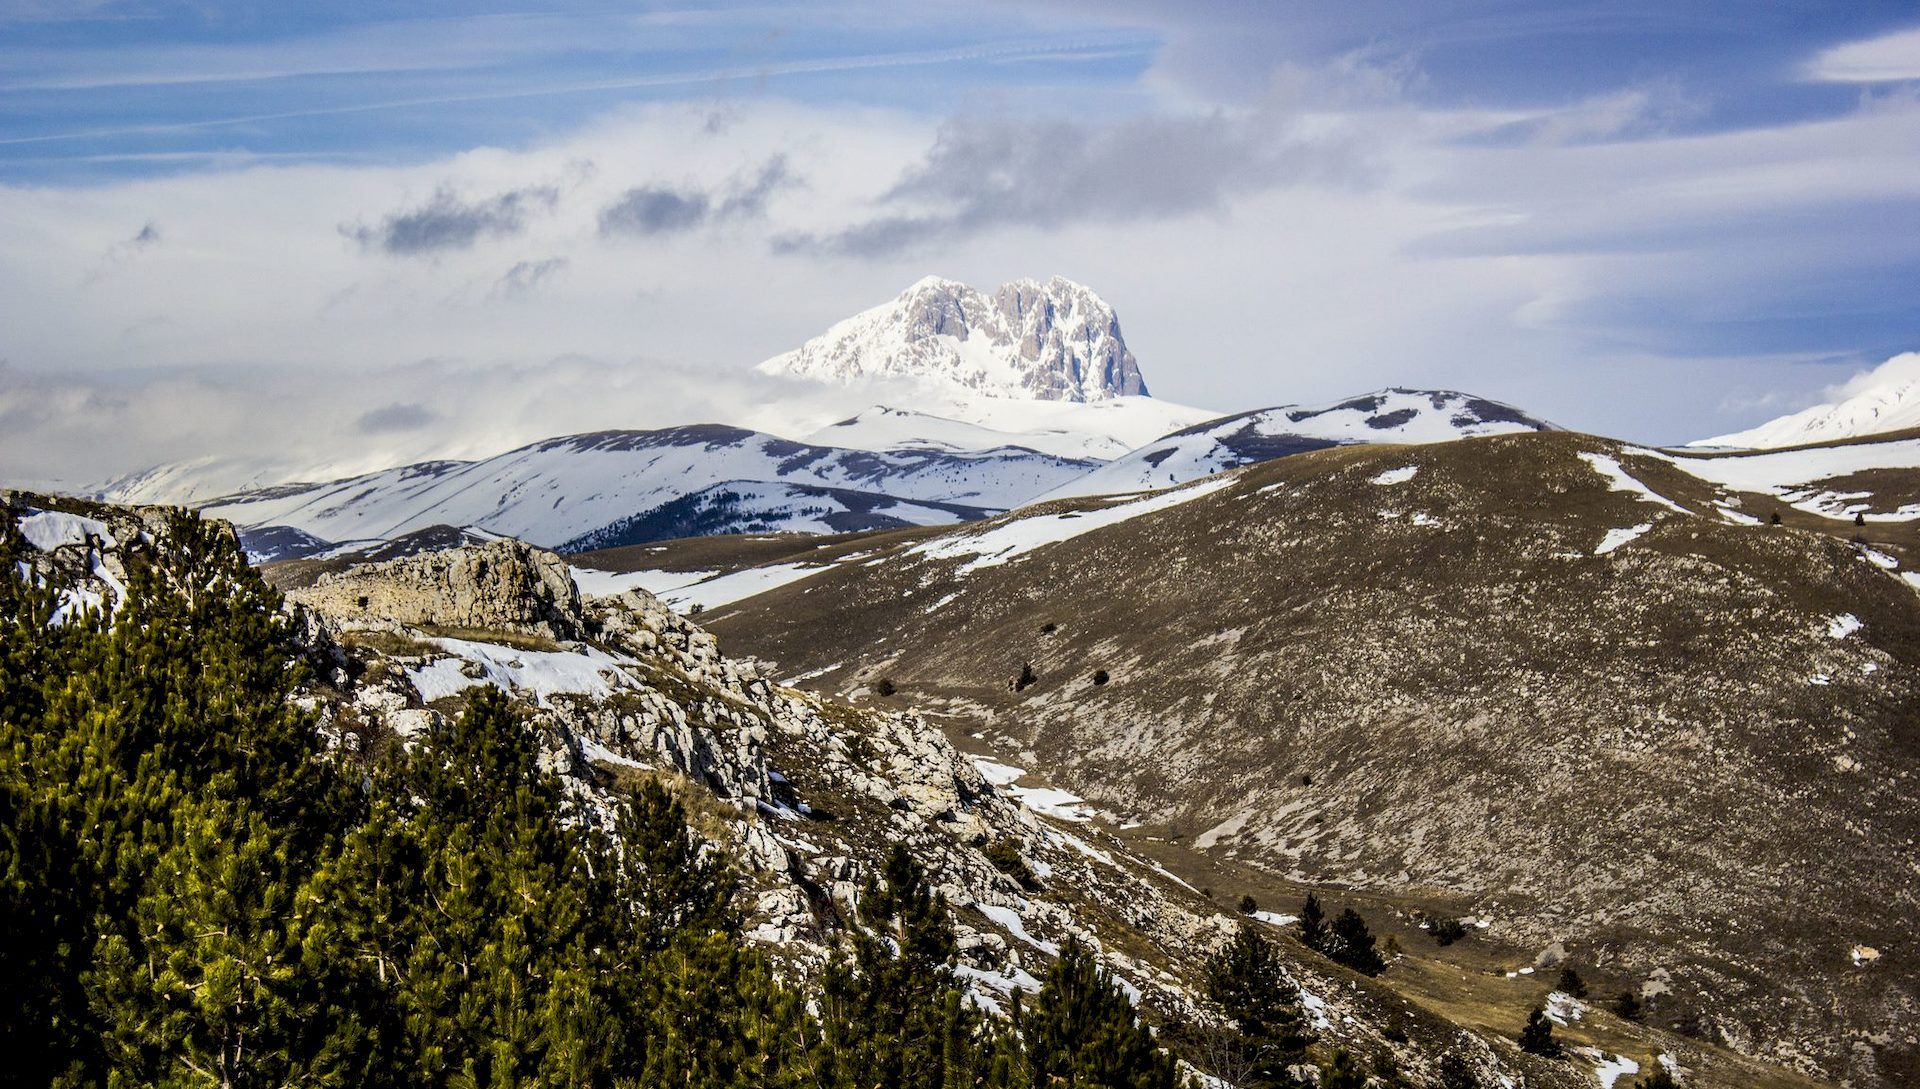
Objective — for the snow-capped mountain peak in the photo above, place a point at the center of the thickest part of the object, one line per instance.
(1051, 341)
(1882, 400)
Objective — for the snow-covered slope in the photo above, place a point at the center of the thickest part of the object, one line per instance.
(1886, 400)
(1070, 429)
(556, 491)
(1387, 416)
(1056, 341)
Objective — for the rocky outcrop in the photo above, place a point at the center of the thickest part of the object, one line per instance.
(499, 586)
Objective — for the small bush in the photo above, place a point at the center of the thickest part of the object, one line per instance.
(1049, 628)
(1571, 983)
(1537, 1037)
(1005, 856)
(1248, 905)
(1026, 678)
(1626, 1006)
(1100, 676)
(1447, 931)
(884, 687)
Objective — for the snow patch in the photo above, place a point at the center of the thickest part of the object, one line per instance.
(1011, 539)
(50, 529)
(1010, 921)
(1619, 480)
(1396, 476)
(1843, 625)
(540, 674)
(1617, 537)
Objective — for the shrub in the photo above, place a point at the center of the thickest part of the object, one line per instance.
(884, 687)
(1626, 1006)
(1099, 676)
(1248, 905)
(1537, 1037)
(1005, 856)
(1026, 678)
(1448, 930)
(1571, 983)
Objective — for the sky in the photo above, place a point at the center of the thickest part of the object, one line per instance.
(303, 240)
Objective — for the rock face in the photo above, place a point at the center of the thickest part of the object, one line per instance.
(1052, 341)
(498, 586)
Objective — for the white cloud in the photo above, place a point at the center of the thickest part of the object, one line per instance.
(1888, 58)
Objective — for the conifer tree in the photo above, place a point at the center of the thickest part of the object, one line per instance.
(1081, 1032)
(895, 1014)
(1349, 942)
(1313, 924)
(1571, 983)
(1246, 980)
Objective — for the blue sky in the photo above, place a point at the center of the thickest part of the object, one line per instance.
(230, 227)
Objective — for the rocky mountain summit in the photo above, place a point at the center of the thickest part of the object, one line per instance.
(1052, 341)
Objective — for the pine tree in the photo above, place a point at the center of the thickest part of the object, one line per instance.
(1246, 980)
(1537, 1037)
(1349, 942)
(1081, 1032)
(1571, 983)
(1313, 924)
(895, 1014)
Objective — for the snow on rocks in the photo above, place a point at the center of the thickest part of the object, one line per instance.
(1396, 476)
(540, 674)
(47, 530)
(1843, 625)
(1046, 801)
(1274, 918)
(1564, 1009)
(1610, 1068)
(1009, 920)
